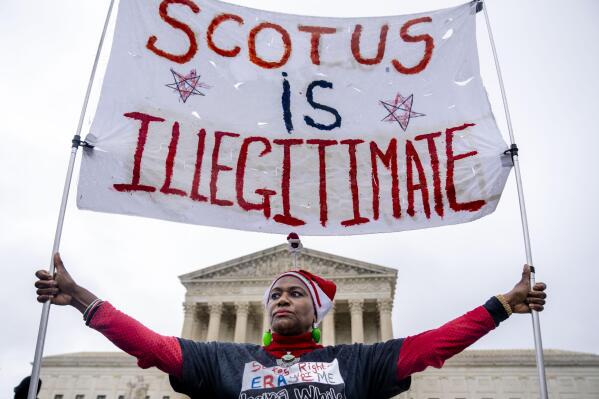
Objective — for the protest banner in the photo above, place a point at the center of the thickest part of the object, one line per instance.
(221, 115)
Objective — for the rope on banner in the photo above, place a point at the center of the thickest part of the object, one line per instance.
(76, 142)
(513, 151)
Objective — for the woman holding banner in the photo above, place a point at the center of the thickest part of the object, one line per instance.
(290, 363)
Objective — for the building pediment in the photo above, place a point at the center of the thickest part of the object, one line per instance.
(266, 264)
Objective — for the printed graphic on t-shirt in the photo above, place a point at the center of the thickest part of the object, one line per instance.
(304, 380)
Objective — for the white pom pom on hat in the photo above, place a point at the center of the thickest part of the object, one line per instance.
(321, 290)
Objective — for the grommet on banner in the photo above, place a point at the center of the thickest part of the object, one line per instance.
(295, 244)
(513, 151)
(479, 6)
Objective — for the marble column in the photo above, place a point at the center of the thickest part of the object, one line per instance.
(241, 321)
(384, 307)
(189, 310)
(216, 310)
(328, 328)
(356, 307)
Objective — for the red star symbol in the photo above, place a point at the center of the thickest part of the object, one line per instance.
(403, 104)
(187, 85)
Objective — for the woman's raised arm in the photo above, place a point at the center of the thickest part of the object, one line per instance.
(433, 347)
(150, 349)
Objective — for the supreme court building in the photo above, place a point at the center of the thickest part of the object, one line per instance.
(224, 302)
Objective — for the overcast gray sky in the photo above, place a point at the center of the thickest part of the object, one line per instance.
(549, 57)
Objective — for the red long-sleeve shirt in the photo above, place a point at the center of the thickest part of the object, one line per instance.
(430, 348)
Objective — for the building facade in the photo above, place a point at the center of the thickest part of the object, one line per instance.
(224, 302)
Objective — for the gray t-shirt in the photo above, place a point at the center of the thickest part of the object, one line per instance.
(243, 371)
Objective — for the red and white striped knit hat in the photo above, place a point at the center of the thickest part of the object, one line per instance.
(322, 291)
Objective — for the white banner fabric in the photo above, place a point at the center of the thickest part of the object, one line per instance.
(220, 115)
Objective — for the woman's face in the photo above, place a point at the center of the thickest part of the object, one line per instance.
(290, 307)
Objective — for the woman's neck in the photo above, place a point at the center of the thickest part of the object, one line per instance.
(297, 345)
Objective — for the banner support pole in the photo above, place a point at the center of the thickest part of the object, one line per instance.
(536, 324)
(76, 142)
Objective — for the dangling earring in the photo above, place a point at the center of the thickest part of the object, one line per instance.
(267, 338)
(316, 333)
